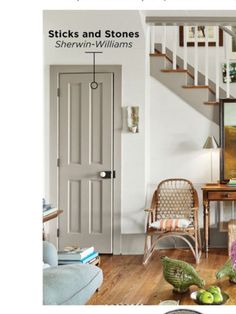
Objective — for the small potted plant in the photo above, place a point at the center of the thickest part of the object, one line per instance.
(229, 268)
(233, 254)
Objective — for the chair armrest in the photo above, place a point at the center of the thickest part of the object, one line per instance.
(150, 215)
(50, 254)
(195, 214)
(149, 210)
(195, 197)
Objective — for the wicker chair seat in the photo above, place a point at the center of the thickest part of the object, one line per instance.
(176, 230)
(173, 199)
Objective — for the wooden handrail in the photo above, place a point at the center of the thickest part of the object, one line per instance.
(52, 215)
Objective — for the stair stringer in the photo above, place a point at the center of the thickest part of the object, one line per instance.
(175, 81)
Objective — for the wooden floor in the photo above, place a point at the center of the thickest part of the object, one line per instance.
(127, 281)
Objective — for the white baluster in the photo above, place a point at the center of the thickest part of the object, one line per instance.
(152, 39)
(195, 55)
(217, 65)
(174, 47)
(206, 55)
(226, 43)
(163, 46)
(228, 80)
(185, 48)
(149, 31)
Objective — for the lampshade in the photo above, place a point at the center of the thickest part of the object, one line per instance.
(211, 143)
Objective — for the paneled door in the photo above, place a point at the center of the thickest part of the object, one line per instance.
(85, 152)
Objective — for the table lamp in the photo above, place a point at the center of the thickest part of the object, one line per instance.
(211, 144)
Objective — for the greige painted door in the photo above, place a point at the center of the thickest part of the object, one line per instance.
(85, 150)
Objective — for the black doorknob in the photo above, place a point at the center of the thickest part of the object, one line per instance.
(107, 174)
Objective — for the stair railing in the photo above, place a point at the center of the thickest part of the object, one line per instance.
(164, 40)
(217, 64)
(185, 49)
(226, 35)
(226, 40)
(175, 46)
(196, 55)
(206, 56)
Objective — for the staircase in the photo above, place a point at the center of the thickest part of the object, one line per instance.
(181, 81)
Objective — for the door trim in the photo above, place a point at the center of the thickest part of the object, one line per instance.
(55, 71)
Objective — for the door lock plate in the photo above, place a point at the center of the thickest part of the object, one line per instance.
(107, 174)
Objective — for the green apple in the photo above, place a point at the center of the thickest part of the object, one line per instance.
(199, 293)
(206, 298)
(214, 289)
(218, 298)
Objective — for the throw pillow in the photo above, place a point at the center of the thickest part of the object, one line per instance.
(170, 224)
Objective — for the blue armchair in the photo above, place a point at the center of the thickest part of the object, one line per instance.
(68, 284)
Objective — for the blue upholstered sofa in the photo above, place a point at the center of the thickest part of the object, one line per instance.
(67, 284)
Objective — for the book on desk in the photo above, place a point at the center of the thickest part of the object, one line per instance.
(232, 182)
(78, 256)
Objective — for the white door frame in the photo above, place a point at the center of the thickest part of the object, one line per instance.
(55, 71)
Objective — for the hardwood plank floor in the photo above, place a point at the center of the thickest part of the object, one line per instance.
(128, 281)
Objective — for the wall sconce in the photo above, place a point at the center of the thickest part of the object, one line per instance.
(133, 119)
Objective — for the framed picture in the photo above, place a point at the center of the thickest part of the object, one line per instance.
(232, 72)
(233, 44)
(201, 36)
(227, 139)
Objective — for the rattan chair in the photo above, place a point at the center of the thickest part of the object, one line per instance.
(175, 200)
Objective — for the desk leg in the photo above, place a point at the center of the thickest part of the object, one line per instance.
(206, 227)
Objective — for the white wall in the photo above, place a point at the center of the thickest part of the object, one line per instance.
(133, 93)
(177, 135)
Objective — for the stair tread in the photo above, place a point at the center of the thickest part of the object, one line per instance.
(173, 71)
(195, 86)
(157, 54)
(211, 102)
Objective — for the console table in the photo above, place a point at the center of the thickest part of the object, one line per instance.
(214, 192)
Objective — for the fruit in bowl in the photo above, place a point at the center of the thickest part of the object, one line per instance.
(214, 289)
(218, 298)
(205, 297)
(212, 295)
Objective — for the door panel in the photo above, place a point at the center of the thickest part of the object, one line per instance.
(85, 149)
(74, 206)
(96, 148)
(74, 124)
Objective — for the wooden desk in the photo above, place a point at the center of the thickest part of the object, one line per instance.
(217, 192)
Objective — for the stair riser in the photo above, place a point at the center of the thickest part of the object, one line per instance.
(174, 79)
(190, 80)
(159, 63)
(211, 96)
